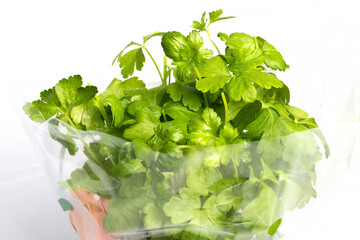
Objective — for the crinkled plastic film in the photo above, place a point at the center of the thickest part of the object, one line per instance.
(114, 189)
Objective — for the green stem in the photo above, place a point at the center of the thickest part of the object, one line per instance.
(208, 33)
(204, 94)
(164, 115)
(157, 67)
(235, 169)
(109, 155)
(165, 69)
(226, 107)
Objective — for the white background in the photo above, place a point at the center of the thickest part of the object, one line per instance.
(44, 41)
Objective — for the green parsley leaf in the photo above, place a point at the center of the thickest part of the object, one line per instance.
(200, 180)
(70, 92)
(87, 114)
(203, 130)
(215, 16)
(261, 213)
(176, 47)
(242, 53)
(132, 59)
(124, 214)
(154, 216)
(189, 96)
(215, 75)
(272, 57)
(201, 26)
(178, 112)
(181, 209)
(240, 87)
(144, 128)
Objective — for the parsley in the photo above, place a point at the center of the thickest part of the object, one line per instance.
(217, 152)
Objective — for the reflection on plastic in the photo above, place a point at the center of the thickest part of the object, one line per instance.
(124, 190)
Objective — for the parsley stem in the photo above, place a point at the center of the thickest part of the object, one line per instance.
(235, 170)
(109, 155)
(204, 93)
(164, 115)
(165, 69)
(225, 106)
(208, 33)
(157, 67)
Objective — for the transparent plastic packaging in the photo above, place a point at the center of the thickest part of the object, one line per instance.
(114, 189)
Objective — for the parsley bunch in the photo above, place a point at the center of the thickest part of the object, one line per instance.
(215, 153)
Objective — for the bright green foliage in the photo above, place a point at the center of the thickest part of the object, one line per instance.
(87, 114)
(216, 153)
(186, 53)
(215, 16)
(132, 59)
(272, 57)
(178, 111)
(200, 180)
(143, 129)
(189, 96)
(214, 74)
(203, 130)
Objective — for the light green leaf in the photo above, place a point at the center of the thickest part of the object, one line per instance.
(215, 75)
(181, 209)
(228, 199)
(144, 128)
(117, 110)
(70, 93)
(131, 60)
(178, 112)
(194, 40)
(176, 47)
(272, 57)
(115, 88)
(154, 216)
(201, 26)
(87, 114)
(200, 180)
(264, 80)
(240, 87)
(215, 16)
(297, 112)
(243, 53)
(203, 130)
(124, 214)
(263, 210)
(189, 96)
(273, 229)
